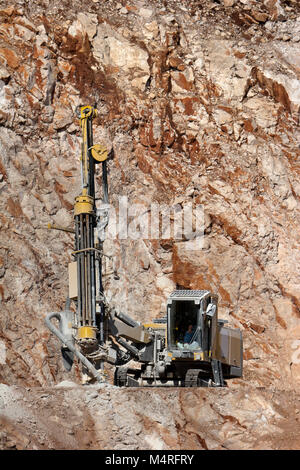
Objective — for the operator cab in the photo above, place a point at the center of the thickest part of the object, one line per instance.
(189, 322)
(184, 324)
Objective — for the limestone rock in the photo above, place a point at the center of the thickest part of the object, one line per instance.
(4, 73)
(121, 54)
(89, 23)
(62, 118)
(145, 12)
(228, 3)
(201, 107)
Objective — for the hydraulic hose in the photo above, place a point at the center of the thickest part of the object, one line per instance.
(96, 373)
(104, 182)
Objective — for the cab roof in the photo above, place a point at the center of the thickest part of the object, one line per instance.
(188, 294)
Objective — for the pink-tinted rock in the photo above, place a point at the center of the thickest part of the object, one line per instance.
(201, 109)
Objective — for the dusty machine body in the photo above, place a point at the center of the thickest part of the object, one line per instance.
(188, 347)
(213, 353)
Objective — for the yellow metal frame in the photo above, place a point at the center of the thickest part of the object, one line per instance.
(92, 112)
(157, 326)
(83, 204)
(99, 153)
(86, 332)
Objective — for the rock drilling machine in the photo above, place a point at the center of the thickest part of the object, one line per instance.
(189, 347)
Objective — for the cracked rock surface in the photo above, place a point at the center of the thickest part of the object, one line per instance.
(79, 417)
(200, 103)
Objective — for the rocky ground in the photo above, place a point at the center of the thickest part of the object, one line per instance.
(199, 101)
(106, 417)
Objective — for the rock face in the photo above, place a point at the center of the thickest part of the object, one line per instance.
(200, 103)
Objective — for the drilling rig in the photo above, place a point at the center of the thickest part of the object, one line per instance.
(189, 347)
